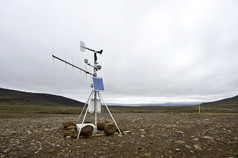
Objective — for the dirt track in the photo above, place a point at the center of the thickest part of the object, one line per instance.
(151, 135)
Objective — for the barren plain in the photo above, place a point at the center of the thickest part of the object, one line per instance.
(148, 135)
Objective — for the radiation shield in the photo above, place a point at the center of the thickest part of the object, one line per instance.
(91, 106)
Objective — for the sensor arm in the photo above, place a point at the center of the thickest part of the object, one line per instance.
(97, 67)
(72, 65)
(90, 65)
(89, 49)
(100, 52)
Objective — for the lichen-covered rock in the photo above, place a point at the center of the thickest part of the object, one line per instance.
(109, 128)
(71, 127)
(100, 126)
(67, 124)
(73, 133)
(108, 121)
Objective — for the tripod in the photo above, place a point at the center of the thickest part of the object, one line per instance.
(94, 107)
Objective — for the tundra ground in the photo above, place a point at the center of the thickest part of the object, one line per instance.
(150, 135)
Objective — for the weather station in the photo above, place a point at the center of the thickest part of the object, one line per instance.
(95, 100)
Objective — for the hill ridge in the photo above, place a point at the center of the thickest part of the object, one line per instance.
(16, 97)
(226, 101)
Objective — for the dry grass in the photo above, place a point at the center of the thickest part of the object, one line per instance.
(9, 111)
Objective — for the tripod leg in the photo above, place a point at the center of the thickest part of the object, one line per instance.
(82, 123)
(110, 113)
(84, 107)
(95, 107)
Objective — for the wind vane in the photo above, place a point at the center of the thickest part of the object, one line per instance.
(94, 101)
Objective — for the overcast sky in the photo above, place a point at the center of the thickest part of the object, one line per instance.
(154, 51)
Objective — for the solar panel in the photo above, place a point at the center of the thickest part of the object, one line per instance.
(98, 83)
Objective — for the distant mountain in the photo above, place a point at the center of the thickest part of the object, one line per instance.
(13, 97)
(156, 104)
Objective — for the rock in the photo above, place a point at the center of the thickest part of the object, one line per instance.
(126, 132)
(47, 130)
(208, 137)
(181, 132)
(73, 133)
(180, 142)
(100, 126)
(177, 149)
(66, 124)
(142, 130)
(170, 126)
(71, 127)
(68, 137)
(5, 151)
(119, 135)
(109, 129)
(195, 139)
(87, 131)
(29, 132)
(142, 136)
(196, 147)
(67, 132)
(187, 146)
(108, 121)
(147, 154)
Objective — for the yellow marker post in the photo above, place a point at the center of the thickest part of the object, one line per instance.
(199, 109)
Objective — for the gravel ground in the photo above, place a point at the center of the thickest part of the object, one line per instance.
(151, 135)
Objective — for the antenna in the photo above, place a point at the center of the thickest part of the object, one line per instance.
(53, 52)
(93, 103)
(72, 63)
(66, 62)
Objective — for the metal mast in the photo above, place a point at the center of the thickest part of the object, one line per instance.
(96, 67)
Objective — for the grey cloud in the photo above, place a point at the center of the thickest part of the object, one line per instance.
(154, 51)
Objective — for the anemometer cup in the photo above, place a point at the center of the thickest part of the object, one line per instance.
(98, 67)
